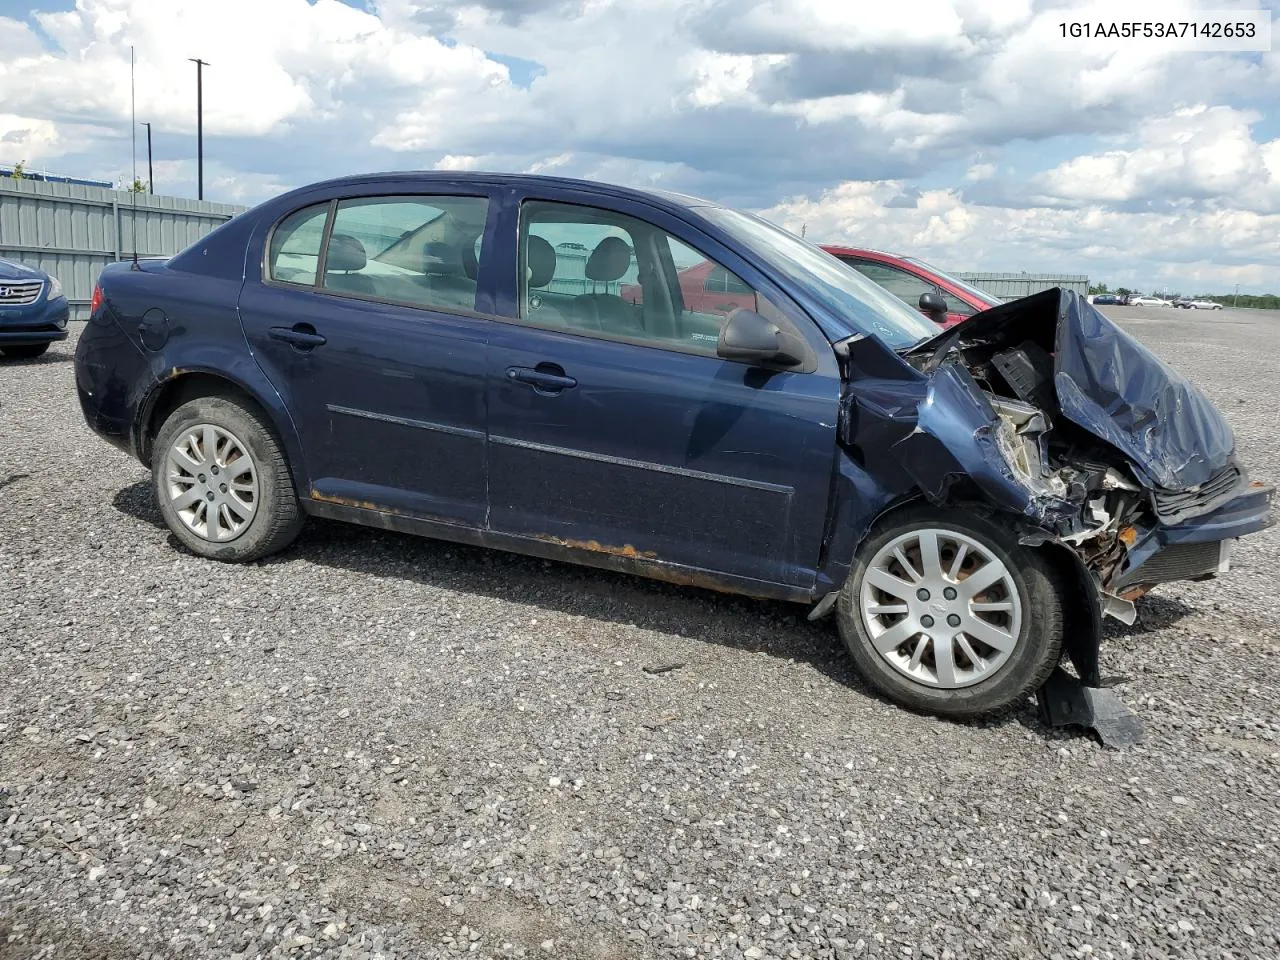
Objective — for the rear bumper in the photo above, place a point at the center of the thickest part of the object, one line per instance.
(111, 376)
(42, 323)
(1199, 548)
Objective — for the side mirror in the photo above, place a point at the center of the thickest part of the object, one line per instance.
(932, 303)
(750, 338)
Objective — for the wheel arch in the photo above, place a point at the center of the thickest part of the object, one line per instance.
(1082, 606)
(185, 384)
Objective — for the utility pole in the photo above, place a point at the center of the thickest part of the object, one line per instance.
(151, 177)
(200, 65)
(1235, 299)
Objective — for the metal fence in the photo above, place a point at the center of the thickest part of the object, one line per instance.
(1011, 286)
(72, 231)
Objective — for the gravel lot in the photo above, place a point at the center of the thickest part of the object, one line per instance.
(380, 746)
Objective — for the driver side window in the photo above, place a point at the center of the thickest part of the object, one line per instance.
(602, 273)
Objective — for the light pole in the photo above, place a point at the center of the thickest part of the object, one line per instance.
(200, 65)
(151, 177)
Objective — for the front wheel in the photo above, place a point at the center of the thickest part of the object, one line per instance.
(947, 613)
(222, 481)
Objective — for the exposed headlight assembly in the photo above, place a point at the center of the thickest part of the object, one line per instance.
(1018, 437)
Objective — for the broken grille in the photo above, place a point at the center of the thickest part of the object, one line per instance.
(1171, 505)
(19, 293)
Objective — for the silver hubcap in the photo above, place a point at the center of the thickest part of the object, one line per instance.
(941, 608)
(212, 483)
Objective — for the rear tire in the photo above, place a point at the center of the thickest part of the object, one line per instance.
(26, 351)
(931, 644)
(222, 481)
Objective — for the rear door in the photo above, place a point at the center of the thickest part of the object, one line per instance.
(364, 319)
(613, 425)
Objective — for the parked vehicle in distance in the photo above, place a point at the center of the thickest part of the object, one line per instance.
(448, 354)
(1200, 305)
(943, 298)
(1108, 300)
(1143, 301)
(33, 310)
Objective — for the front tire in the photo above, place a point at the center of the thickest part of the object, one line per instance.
(947, 613)
(222, 481)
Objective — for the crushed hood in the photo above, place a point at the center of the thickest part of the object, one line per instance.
(1108, 383)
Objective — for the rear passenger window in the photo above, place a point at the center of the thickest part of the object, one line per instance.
(417, 250)
(295, 246)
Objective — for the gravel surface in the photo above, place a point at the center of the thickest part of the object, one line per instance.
(381, 746)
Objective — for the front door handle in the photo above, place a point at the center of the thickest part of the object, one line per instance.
(300, 335)
(546, 378)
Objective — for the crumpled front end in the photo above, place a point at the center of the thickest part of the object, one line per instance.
(1045, 409)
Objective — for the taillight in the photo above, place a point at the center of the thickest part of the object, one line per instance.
(96, 300)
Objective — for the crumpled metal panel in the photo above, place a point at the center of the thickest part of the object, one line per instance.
(937, 429)
(1118, 390)
(1108, 383)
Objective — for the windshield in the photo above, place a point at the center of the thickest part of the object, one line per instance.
(847, 293)
(987, 298)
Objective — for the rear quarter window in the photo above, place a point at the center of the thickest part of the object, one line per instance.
(294, 256)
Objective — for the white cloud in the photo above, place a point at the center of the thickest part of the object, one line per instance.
(1210, 247)
(456, 161)
(743, 100)
(1196, 154)
(27, 140)
(271, 62)
(840, 25)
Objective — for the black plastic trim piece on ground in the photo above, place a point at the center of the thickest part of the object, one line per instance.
(1065, 702)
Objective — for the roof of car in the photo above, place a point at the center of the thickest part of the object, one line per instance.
(516, 179)
(839, 248)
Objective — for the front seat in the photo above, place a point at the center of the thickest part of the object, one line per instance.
(608, 263)
(345, 259)
(540, 269)
(445, 268)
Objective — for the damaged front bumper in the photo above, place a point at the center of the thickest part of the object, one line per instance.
(1194, 550)
(1046, 410)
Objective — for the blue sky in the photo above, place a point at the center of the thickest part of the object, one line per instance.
(957, 130)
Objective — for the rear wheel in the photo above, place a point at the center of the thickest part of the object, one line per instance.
(27, 351)
(222, 481)
(947, 613)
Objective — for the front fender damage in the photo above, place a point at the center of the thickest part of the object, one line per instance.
(938, 435)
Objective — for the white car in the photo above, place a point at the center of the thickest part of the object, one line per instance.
(1149, 302)
(1203, 305)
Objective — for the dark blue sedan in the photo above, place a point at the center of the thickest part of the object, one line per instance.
(511, 361)
(33, 310)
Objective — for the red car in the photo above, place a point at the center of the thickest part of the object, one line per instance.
(917, 283)
(708, 288)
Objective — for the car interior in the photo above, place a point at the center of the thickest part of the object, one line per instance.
(583, 269)
(621, 255)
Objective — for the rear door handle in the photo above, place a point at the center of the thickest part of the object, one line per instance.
(544, 378)
(301, 335)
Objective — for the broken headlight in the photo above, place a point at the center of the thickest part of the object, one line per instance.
(1019, 435)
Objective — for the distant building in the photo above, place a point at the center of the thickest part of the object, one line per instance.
(46, 177)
